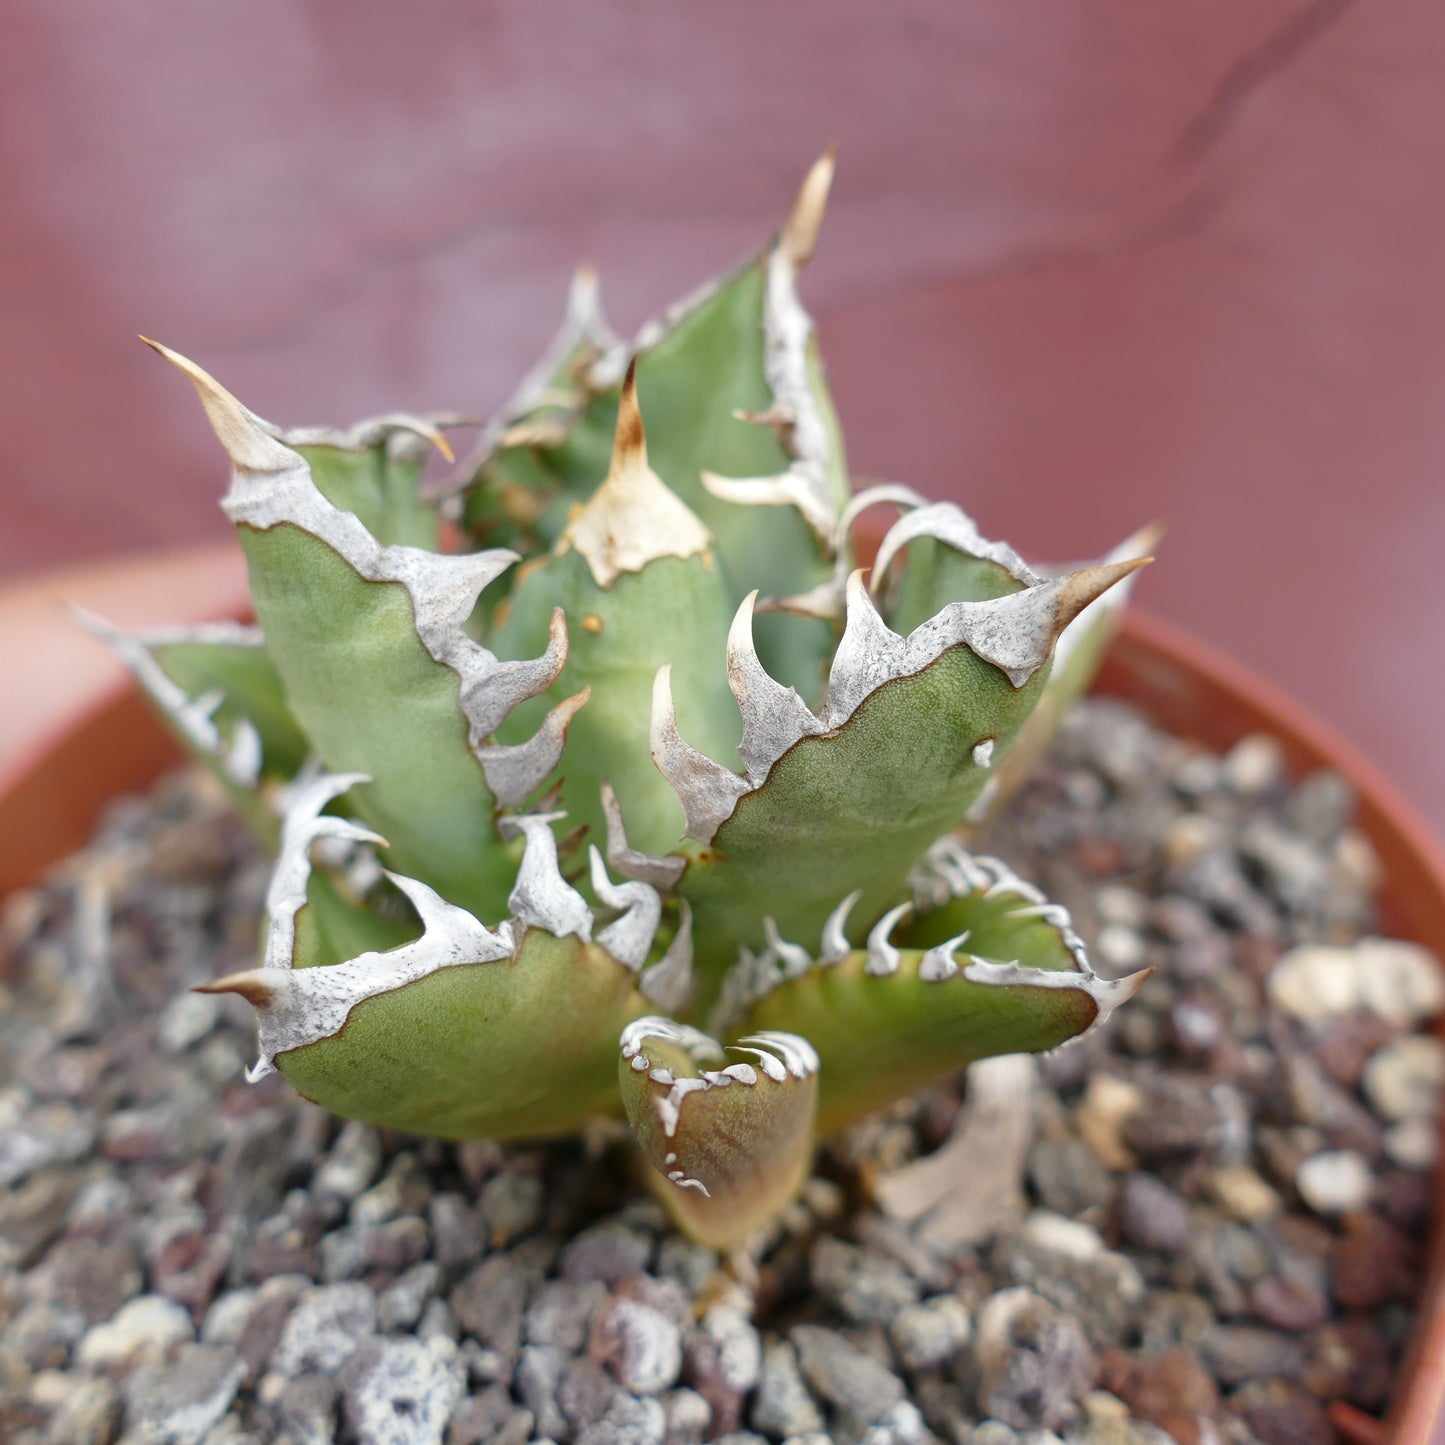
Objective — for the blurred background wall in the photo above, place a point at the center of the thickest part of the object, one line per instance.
(1087, 264)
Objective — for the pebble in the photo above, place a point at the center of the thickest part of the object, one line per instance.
(1108, 1104)
(1279, 1412)
(782, 1406)
(186, 1020)
(1034, 1362)
(326, 1325)
(88, 1414)
(1151, 1215)
(1401, 982)
(1413, 1143)
(849, 1379)
(1335, 1181)
(178, 1403)
(640, 1345)
(1236, 1353)
(400, 1391)
(144, 1331)
(1404, 1079)
(489, 1303)
(927, 1335)
(608, 1252)
(1067, 1176)
(400, 1304)
(1243, 1194)
(1315, 983)
(1254, 765)
(865, 1286)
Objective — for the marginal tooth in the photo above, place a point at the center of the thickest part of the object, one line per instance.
(243, 763)
(1107, 993)
(708, 791)
(668, 983)
(240, 759)
(774, 716)
(771, 1064)
(835, 940)
(795, 959)
(944, 522)
(865, 658)
(799, 1057)
(883, 958)
(445, 586)
(796, 487)
(492, 695)
(300, 1006)
(654, 1026)
(542, 898)
(513, 773)
(939, 963)
(301, 824)
(983, 753)
(799, 235)
(374, 431)
(660, 872)
(883, 494)
(628, 938)
(825, 601)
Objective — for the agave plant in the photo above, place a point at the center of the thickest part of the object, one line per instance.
(491, 727)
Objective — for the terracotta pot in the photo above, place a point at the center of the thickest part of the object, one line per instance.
(114, 744)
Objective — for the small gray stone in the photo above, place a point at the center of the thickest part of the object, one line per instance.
(639, 1344)
(865, 1286)
(739, 1350)
(586, 1392)
(400, 1304)
(482, 1416)
(456, 1233)
(782, 1405)
(326, 1325)
(927, 1335)
(511, 1206)
(691, 1265)
(1067, 1176)
(1236, 1353)
(177, 1403)
(351, 1165)
(608, 1251)
(562, 1313)
(538, 1376)
(900, 1424)
(401, 1391)
(307, 1409)
(688, 1417)
(627, 1422)
(87, 1416)
(1034, 1362)
(844, 1375)
(489, 1303)
(1152, 1216)
(186, 1020)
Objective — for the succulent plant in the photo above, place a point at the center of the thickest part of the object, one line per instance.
(521, 879)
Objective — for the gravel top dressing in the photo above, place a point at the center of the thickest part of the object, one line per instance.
(1204, 1222)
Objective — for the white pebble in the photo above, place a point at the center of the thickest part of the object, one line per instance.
(1412, 1143)
(1254, 764)
(1120, 946)
(143, 1331)
(186, 1020)
(1335, 1182)
(1314, 983)
(1402, 982)
(1404, 1079)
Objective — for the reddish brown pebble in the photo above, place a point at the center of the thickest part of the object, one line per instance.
(1374, 1263)
(1288, 1304)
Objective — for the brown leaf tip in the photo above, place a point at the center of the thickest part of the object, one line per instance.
(630, 444)
(256, 991)
(799, 236)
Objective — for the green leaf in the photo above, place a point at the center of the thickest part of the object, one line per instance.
(730, 1145)
(1006, 975)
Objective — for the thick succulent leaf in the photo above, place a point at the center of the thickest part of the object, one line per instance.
(425, 1018)
(370, 644)
(994, 971)
(637, 575)
(216, 688)
(741, 346)
(731, 1145)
